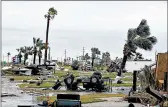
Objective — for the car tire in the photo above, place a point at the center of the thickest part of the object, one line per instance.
(94, 79)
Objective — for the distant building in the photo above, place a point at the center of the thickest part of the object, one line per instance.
(136, 65)
(96, 60)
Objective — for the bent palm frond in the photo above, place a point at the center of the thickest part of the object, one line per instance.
(152, 39)
(143, 43)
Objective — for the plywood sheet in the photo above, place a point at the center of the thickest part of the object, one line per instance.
(161, 65)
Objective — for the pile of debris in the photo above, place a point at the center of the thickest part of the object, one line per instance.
(152, 91)
(94, 83)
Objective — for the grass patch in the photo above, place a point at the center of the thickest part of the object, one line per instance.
(67, 67)
(127, 79)
(52, 79)
(44, 85)
(45, 91)
(128, 74)
(123, 85)
(24, 77)
(89, 98)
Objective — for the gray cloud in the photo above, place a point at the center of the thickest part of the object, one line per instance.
(81, 24)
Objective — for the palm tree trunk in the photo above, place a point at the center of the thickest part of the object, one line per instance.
(47, 30)
(122, 65)
(34, 60)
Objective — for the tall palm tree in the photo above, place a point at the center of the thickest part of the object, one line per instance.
(8, 54)
(137, 38)
(50, 15)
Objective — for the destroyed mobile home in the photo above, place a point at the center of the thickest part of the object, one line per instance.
(94, 83)
(33, 69)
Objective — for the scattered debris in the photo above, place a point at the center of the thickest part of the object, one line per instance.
(149, 94)
(11, 79)
(8, 95)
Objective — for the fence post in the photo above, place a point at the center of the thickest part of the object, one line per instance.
(111, 84)
(134, 80)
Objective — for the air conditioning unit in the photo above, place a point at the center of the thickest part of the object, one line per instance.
(68, 100)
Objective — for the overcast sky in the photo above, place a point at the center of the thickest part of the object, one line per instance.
(101, 24)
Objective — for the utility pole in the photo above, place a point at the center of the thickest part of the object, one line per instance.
(61, 61)
(65, 56)
(83, 51)
(65, 53)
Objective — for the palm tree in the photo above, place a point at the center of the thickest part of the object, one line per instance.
(36, 42)
(50, 15)
(137, 38)
(8, 54)
(105, 58)
(95, 51)
(27, 51)
(86, 57)
(40, 48)
(20, 54)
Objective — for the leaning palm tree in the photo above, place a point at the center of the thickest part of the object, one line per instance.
(50, 15)
(8, 54)
(137, 38)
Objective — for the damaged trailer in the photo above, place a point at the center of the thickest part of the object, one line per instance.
(93, 83)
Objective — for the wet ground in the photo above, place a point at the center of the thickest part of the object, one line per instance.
(23, 98)
(19, 99)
